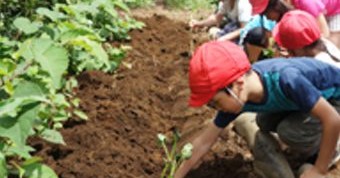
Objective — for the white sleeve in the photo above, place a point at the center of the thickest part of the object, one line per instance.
(222, 7)
(244, 10)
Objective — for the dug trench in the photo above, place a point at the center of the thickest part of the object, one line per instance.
(147, 95)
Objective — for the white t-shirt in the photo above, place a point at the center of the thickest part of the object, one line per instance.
(241, 12)
(325, 57)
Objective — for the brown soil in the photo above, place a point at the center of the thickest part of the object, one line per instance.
(148, 95)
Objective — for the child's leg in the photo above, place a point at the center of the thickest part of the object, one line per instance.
(301, 132)
(268, 122)
(269, 160)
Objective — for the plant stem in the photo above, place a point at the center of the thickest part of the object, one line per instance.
(165, 169)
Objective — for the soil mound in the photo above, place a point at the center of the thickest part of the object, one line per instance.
(147, 95)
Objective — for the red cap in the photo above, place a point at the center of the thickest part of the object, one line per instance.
(214, 66)
(296, 30)
(258, 6)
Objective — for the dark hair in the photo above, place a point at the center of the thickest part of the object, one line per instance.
(256, 36)
(320, 45)
(278, 6)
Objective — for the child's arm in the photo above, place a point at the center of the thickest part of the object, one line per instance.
(330, 120)
(232, 35)
(323, 25)
(214, 19)
(201, 145)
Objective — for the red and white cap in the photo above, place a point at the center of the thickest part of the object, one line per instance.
(214, 66)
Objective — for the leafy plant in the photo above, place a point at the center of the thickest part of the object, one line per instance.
(189, 4)
(39, 52)
(173, 158)
(139, 3)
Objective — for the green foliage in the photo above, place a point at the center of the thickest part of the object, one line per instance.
(189, 4)
(44, 44)
(139, 3)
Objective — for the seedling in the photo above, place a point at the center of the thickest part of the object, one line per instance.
(173, 158)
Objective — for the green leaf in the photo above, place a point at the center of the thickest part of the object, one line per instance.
(52, 136)
(26, 88)
(9, 87)
(80, 114)
(25, 50)
(53, 15)
(96, 50)
(9, 107)
(52, 58)
(32, 160)
(3, 168)
(19, 128)
(121, 5)
(187, 151)
(6, 66)
(23, 151)
(38, 170)
(25, 25)
(74, 33)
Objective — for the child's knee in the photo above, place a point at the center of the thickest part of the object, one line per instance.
(302, 133)
(268, 122)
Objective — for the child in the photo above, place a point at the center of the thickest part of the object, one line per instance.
(284, 91)
(272, 9)
(327, 13)
(237, 12)
(300, 34)
(255, 43)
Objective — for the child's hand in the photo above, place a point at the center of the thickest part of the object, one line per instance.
(194, 24)
(312, 173)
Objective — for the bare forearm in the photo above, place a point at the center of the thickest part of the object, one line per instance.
(323, 26)
(201, 145)
(329, 140)
(330, 120)
(187, 165)
(214, 19)
(230, 36)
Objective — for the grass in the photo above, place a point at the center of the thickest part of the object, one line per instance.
(190, 4)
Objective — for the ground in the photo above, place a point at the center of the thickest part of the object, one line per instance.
(147, 95)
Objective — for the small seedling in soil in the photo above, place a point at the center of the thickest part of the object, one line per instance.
(173, 158)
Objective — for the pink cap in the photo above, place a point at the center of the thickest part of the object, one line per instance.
(296, 30)
(214, 66)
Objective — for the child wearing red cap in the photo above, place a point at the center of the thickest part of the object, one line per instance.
(326, 12)
(272, 9)
(300, 34)
(285, 93)
(237, 13)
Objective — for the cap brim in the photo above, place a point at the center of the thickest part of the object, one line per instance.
(198, 100)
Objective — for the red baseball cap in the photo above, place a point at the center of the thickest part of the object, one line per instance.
(214, 66)
(296, 30)
(258, 6)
